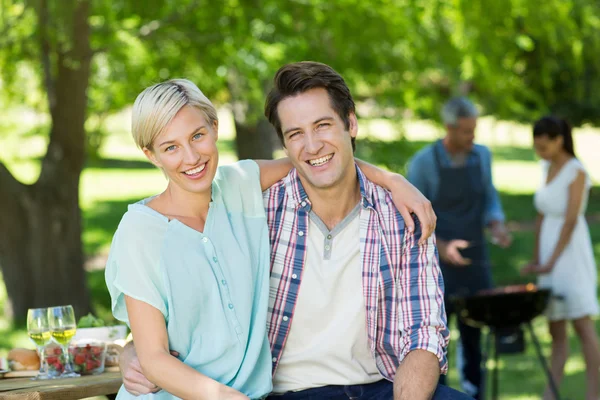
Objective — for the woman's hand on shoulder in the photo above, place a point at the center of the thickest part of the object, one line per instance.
(408, 199)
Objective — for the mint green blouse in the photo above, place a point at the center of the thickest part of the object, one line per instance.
(211, 287)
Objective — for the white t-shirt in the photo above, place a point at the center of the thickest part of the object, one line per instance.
(327, 343)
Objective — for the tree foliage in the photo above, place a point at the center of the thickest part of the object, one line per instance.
(517, 58)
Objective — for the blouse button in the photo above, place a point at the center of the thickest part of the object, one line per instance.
(285, 318)
(294, 276)
(205, 239)
(300, 233)
(230, 306)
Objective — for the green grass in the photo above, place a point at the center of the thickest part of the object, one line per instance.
(123, 176)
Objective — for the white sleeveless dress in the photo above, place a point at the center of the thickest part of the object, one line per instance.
(574, 276)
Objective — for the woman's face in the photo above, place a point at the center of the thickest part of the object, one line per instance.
(187, 151)
(547, 147)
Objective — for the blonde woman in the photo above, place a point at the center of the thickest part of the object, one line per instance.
(188, 268)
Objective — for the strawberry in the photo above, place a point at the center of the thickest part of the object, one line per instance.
(58, 367)
(51, 359)
(89, 365)
(79, 358)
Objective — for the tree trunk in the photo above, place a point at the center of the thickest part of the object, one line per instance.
(41, 253)
(256, 141)
(255, 138)
(40, 250)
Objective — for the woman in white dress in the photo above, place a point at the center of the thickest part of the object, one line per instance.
(563, 255)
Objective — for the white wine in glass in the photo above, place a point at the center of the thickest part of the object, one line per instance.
(39, 333)
(63, 328)
(63, 336)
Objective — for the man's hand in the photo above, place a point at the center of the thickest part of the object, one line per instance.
(133, 378)
(227, 393)
(407, 199)
(500, 235)
(449, 252)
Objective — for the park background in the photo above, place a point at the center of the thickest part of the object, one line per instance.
(70, 70)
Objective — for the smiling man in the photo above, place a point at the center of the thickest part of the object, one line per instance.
(356, 304)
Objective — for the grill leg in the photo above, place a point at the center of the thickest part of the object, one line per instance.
(484, 369)
(495, 371)
(538, 350)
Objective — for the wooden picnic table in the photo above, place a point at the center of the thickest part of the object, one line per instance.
(105, 384)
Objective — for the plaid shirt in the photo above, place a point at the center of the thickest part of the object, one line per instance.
(402, 281)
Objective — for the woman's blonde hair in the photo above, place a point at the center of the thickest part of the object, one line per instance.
(157, 105)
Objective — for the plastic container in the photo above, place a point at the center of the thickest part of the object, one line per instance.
(88, 356)
(107, 334)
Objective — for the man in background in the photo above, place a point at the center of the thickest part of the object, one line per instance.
(455, 174)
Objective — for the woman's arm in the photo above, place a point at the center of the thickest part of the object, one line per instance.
(536, 247)
(576, 190)
(165, 371)
(406, 197)
(534, 264)
(272, 171)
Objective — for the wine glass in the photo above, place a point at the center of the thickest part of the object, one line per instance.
(39, 333)
(63, 328)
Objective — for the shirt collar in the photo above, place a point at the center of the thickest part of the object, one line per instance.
(299, 198)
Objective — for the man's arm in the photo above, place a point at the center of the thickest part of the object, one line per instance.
(417, 377)
(494, 216)
(425, 337)
(493, 205)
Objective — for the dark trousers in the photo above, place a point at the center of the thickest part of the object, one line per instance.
(381, 390)
(470, 340)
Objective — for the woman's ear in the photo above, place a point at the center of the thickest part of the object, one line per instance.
(216, 129)
(152, 157)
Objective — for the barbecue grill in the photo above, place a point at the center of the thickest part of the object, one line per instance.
(505, 310)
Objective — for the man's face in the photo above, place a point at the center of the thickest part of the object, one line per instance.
(316, 140)
(462, 135)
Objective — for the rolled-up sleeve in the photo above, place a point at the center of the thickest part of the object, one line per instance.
(423, 321)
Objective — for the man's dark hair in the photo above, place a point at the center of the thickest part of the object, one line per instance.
(293, 79)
